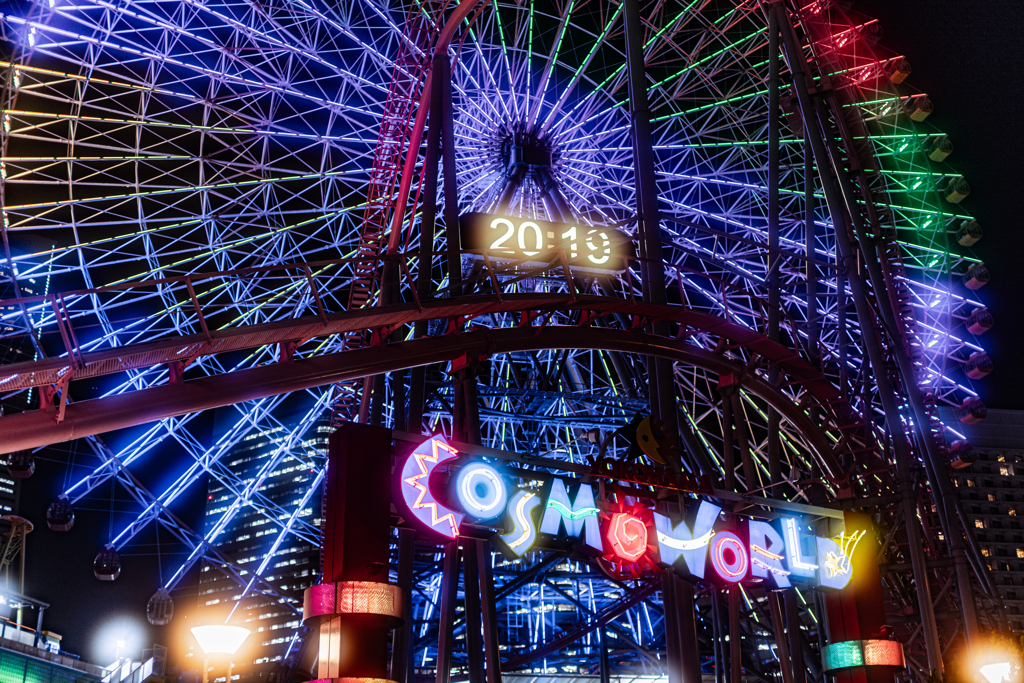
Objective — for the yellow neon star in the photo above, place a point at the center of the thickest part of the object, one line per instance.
(836, 564)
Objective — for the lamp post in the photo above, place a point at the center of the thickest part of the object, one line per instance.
(117, 652)
(997, 672)
(219, 639)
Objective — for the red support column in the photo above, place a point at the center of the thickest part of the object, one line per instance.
(354, 606)
(857, 612)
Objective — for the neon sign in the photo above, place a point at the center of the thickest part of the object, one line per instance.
(627, 536)
(592, 248)
(729, 557)
(766, 557)
(579, 516)
(481, 491)
(835, 558)
(797, 566)
(630, 535)
(524, 530)
(416, 492)
(688, 540)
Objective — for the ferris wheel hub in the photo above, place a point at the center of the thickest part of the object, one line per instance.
(518, 144)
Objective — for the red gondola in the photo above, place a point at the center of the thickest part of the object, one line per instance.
(980, 321)
(961, 454)
(972, 411)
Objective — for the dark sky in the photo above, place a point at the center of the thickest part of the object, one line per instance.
(92, 615)
(965, 55)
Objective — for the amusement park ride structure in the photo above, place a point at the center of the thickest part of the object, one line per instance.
(791, 313)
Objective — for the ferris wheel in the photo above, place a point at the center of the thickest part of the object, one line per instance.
(195, 177)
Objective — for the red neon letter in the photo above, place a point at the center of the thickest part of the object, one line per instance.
(729, 556)
(628, 536)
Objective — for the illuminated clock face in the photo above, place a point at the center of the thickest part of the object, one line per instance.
(591, 248)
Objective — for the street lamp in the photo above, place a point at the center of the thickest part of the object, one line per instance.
(222, 639)
(120, 646)
(996, 672)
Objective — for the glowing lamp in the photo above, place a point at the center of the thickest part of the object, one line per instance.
(996, 673)
(222, 639)
(627, 536)
(855, 653)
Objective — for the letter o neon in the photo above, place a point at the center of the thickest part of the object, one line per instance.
(729, 557)
(481, 491)
(627, 536)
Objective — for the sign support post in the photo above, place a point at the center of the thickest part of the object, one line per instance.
(354, 607)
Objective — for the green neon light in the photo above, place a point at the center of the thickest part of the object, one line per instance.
(889, 100)
(843, 655)
(700, 435)
(561, 36)
(669, 24)
(937, 252)
(504, 51)
(529, 53)
(572, 514)
(711, 106)
(708, 57)
(597, 44)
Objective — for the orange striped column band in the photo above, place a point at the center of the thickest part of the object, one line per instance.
(353, 597)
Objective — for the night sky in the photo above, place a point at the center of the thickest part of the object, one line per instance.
(965, 55)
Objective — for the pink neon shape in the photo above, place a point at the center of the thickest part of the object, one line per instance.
(416, 487)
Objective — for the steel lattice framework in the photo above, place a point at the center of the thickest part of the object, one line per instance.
(194, 178)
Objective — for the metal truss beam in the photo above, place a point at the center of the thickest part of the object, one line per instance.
(37, 428)
(583, 628)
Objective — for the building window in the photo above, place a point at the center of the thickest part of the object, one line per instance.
(979, 524)
(985, 552)
(1005, 471)
(1012, 512)
(991, 496)
(970, 482)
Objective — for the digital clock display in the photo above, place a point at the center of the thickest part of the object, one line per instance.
(594, 248)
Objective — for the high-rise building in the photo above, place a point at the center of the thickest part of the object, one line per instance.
(251, 536)
(13, 348)
(992, 494)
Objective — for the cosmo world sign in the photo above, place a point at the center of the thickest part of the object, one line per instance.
(444, 494)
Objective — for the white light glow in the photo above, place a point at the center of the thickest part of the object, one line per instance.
(220, 639)
(117, 640)
(996, 673)
(481, 491)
